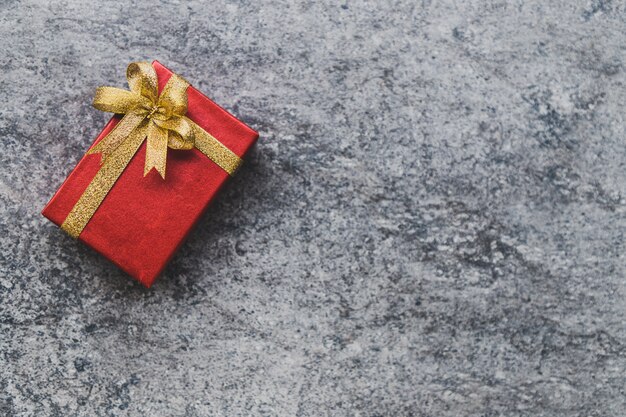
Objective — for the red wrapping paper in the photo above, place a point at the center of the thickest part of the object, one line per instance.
(143, 220)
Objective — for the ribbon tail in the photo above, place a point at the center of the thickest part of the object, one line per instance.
(215, 150)
(102, 183)
(116, 137)
(156, 150)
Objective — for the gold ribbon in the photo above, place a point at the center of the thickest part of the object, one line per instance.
(159, 118)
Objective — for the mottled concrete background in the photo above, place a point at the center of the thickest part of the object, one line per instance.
(432, 223)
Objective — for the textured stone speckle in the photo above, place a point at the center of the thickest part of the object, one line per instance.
(432, 223)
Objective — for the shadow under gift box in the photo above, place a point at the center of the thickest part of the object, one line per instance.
(143, 220)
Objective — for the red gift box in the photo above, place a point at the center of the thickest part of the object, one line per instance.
(143, 220)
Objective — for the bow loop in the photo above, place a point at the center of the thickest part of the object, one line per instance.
(116, 100)
(142, 80)
(180, 132)
(174, 96)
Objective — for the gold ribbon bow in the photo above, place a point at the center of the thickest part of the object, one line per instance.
(159, 118)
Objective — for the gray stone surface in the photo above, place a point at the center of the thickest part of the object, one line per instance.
(432, 223)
